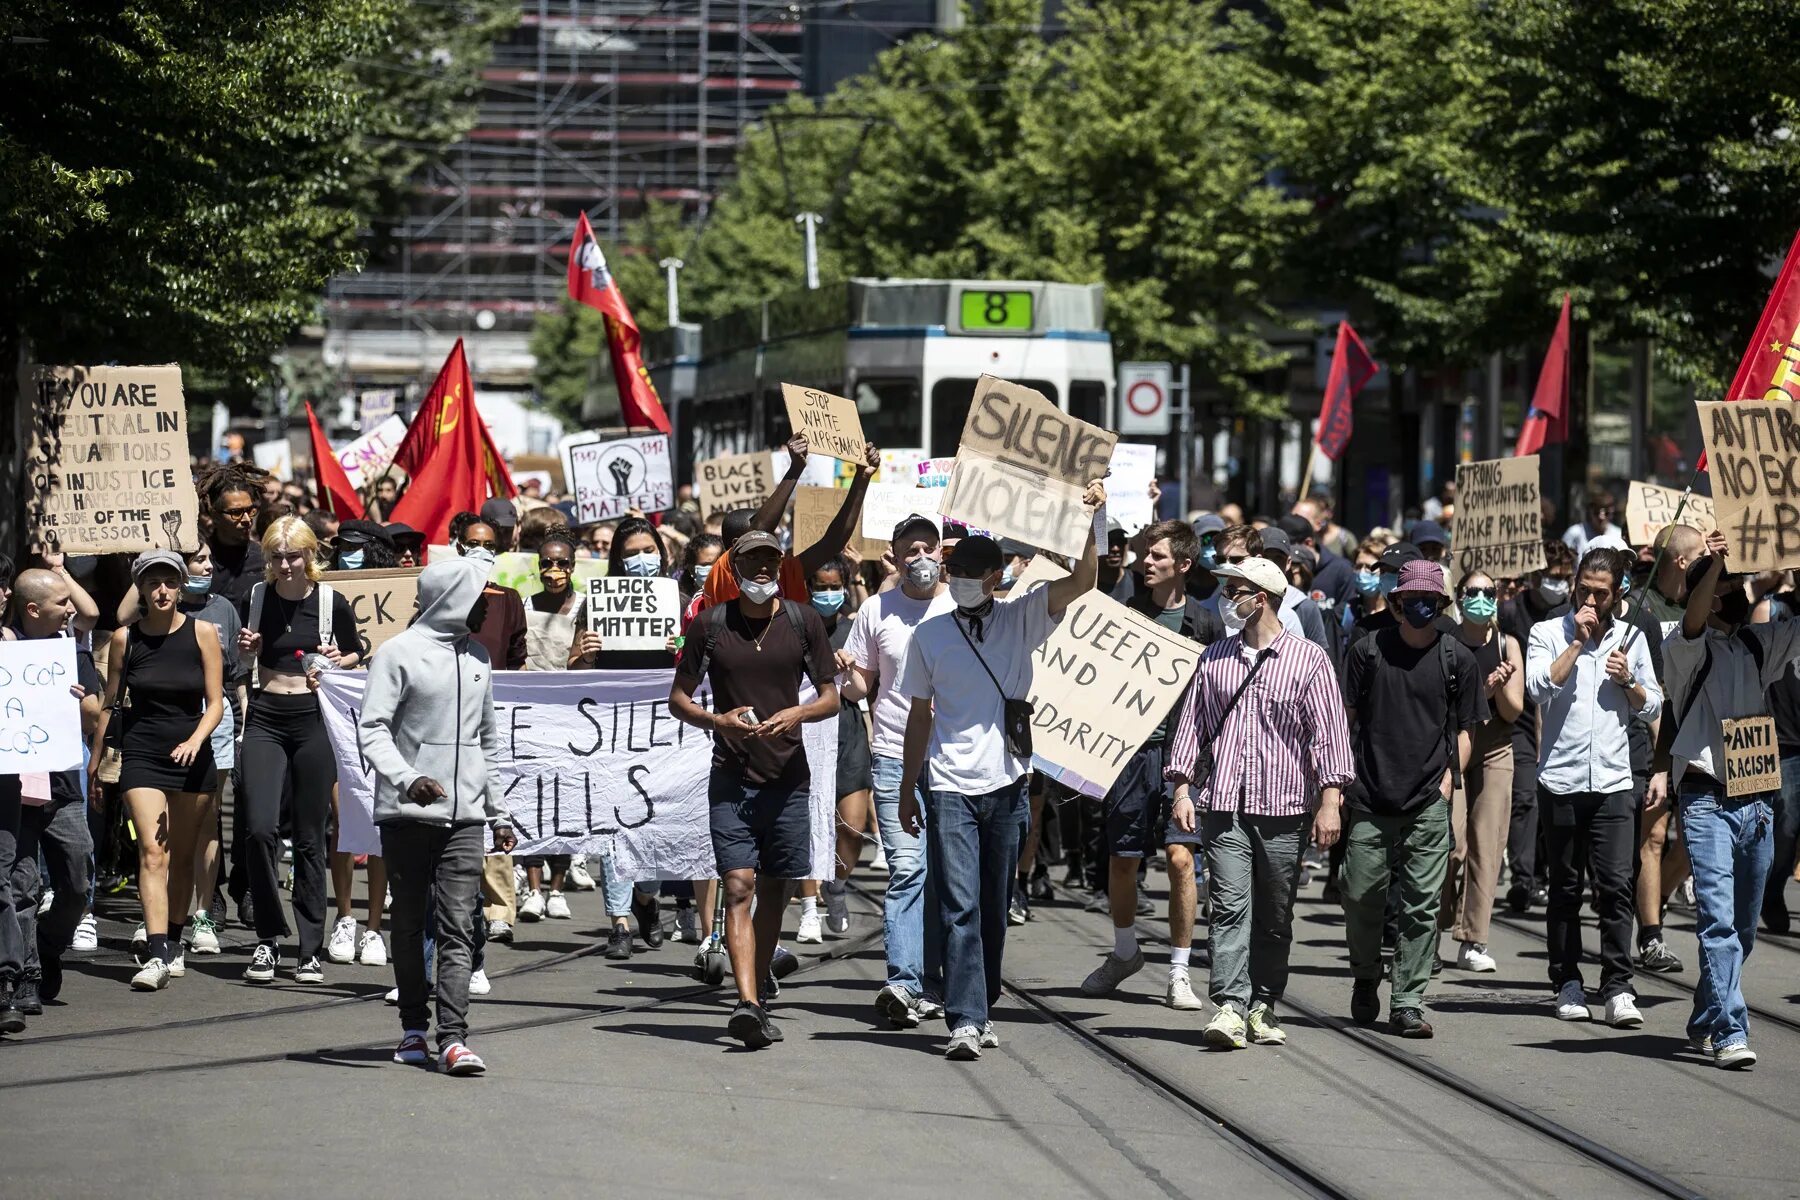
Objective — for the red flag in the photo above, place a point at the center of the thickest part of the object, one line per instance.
(1770, 369)
(1351, 368)
(591, 283)
(449, 455)
(336, 496)
(1547, 422)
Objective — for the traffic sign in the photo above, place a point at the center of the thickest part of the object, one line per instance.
(1144, 402)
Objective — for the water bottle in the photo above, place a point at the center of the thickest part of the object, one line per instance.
(314, 661)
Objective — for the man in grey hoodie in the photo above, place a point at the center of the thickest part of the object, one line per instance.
(428, 730)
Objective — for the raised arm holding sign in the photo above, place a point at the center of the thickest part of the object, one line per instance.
(830, 424)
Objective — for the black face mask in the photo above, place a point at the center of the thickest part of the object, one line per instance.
(1734, 607)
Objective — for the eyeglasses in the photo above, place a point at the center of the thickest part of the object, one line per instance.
(1234, 594)
(240, 513)
(1489, 592)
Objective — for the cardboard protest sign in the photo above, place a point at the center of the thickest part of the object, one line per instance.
(1648, 508)
(733, 481)
(40, 722)
(814, 507)
(369, 455)
(276, 457)
(107, 465)
(631, 612)
(1128, 486)
(611, 478)
(590, 762)
(1041, 569)
(820, 470)
(1499, 518)
(1101, 684)
(383, 600)
(1023, 466)
(375, 408)
(831, 423)
(1752, 756)
(1753, 456)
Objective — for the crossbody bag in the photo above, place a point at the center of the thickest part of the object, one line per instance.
(1018, 712)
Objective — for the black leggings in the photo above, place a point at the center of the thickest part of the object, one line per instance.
(284, 740)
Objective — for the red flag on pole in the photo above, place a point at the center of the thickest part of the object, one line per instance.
(449, 455)
(1547, 422)
(336, 495)
(1351, 368)
(1770, 369)
(591, 283)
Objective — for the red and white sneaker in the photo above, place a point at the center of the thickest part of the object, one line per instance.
(413, 1050)
(458, 1059)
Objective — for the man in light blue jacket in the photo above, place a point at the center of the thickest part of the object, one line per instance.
(428, 731)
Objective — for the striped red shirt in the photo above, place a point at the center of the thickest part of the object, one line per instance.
(1285, 739)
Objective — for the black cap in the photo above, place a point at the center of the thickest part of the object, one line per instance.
(911, 521)
(979, 553)
(1296, 527)
(1697, 571)
(1429, 531)
(402, 534)
(499, 513)
(364, 531)
(1275, 541)
(1398, 555)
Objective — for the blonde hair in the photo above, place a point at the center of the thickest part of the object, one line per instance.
(290, 533)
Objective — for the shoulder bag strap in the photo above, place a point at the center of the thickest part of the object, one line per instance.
(325, 607)
(978, 658)
(1262, 657)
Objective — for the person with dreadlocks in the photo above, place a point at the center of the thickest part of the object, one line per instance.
(230, 492)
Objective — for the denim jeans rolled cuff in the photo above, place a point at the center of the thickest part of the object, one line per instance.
(973, 847)
(619, 891)
(1731, 845)
(910, 921)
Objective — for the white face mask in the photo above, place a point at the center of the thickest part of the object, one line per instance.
(968, 593)
(758, 592)
(1233, 617)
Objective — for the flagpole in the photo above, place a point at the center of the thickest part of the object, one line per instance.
(1306, 479)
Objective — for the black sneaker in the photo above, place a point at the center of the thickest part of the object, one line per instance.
(1540, 895)
(50, 986)
(12, 1017)
(1365, 1001)
(770, 1028)
(784, 963)
(750, 1025)
(649, 918)
(618, 943)
(1518, 897)
(770, 990)
(1409, 1023)
(26, 997)
(1775, 913)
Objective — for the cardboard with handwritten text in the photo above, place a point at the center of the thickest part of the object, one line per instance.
(831, 423)
(1499, 518)
(1648, 508)
(1753, 456)
(382, 599)
(733, 481)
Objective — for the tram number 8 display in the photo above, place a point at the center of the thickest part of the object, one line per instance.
(997, 310)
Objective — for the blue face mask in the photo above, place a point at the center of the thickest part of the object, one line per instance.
(197, 585)
(829, 600)
(1368, 582)
(642, 565)
(1006, 578)
(1419, 613)
(1209, 558)
(701, 571)
(350, 560)
(1389, 581)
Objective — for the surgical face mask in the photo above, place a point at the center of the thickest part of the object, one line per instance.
(968, 593)
(1553, 591)
(924, 572)
(645, 564)
(1234, 616)
(1389, 581)
(758, 591)
(1006, 578)
(1624, 586)
(197, 585)
(701, 571)
(1419, 613)
(829, 600)
(1480, 609)
(1368, 582)
(1209, 558)
(350, 560)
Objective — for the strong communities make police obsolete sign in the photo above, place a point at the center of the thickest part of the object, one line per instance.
(1499, 517)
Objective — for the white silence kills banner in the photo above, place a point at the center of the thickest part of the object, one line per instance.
(591, 762)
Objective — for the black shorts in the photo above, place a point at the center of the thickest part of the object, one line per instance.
(1138, 804)
(855, 768)
(765, 828)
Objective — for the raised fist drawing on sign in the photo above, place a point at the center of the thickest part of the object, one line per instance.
(621, 473)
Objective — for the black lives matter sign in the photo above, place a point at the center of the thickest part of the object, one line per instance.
(1499, 518)
(108, 464)
(1753, 456)
(634, 613)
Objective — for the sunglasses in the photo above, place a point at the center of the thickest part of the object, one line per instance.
(1490, 592)
(1235, 559)
(1235, 594)
(545, 564)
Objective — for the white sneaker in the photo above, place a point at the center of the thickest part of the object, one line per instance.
(153, 976)
(1622, 1012)
(521, 881)
(556, 907)
(87, 936)
(812, 930)
(687, 925)
(393, 996)
(47, 901)
(879, 862)
(371, 951)
(1475, 957)
(1225, 1031)
(203, 935)
(532, 907)
(579, 879)
(341, 946)
(478, 985)
(1571, 1003)
(965, 1044)
(988, 1040)
(1264, 1029)
(1180, 994)
(178, 968)
(1736, 1057)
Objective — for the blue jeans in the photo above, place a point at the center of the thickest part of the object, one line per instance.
(618, 890)
(973, 850)
(1731, 843)
(914, 935)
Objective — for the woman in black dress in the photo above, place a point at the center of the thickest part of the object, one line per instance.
(172, 682)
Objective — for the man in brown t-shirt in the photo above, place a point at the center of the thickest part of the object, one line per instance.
(754, 653)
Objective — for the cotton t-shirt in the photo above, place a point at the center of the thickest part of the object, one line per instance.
(879, 636)
(968, 753)
(1170, 619)
(767, 679)
(290, 625)
(1401, 696)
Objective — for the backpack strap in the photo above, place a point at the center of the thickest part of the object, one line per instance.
(325, 606)
(712, 621)
(258, 591)
(798, 623)
(1447, 656)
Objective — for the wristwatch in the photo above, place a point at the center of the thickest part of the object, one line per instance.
(1629, 682)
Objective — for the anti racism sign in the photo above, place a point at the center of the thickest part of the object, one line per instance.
(1648, 508)
(1023, 466)
(1499, 517)
(107, 470)
(610, 479)
(733, 481)
(1753, 456)
(382, 599)
(830, 423)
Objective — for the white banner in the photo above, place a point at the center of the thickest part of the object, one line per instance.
(40, 722)
(591, 762)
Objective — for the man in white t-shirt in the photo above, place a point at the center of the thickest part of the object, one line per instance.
(960, 673)
(878, 640)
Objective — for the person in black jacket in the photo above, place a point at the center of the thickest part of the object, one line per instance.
(1138, 806)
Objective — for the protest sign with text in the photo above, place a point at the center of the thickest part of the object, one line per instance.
(369, 455)
(1101, 684)
(887, 504)
(384, 600)
(1753, 456)
(40, 721)
(107, 466)
(830, 423)
(611, 478)
(901, 465)
(591, 762)
(1023, 466)
(1499, 518)
(935, 472)
(630, 612)
(1648, 508)
(276, 457)
(733, 481)
(1128, 486)
(1752, 756)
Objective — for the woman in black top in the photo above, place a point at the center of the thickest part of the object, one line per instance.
(830, 588)
(285, 742)
(173, 677)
